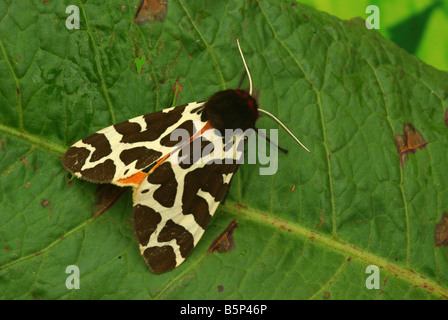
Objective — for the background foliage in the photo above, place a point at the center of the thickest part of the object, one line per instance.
(416, 25)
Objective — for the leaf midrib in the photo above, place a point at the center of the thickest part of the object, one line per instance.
(347, 249)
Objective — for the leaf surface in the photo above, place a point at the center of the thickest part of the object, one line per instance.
(307, 232)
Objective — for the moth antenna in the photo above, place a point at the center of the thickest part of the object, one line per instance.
(284, 127)
(285, 151)
(264, 111)
(245, 66)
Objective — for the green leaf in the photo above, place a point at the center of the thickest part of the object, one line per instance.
(307, 232)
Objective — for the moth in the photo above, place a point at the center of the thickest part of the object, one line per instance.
(179, 162)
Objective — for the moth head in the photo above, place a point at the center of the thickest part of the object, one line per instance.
(231, 109)
(237, 109)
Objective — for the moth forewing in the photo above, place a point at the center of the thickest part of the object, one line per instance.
(124, 149)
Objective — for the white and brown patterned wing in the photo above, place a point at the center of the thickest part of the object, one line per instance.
(121, 150)
(175, 203)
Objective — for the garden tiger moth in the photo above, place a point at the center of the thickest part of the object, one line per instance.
(173, 201)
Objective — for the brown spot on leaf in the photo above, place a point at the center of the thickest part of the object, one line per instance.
(441, 233)
(224, 242)
(240, 206)
(69, 177)
(384, 285)
(322, 221)
(411, 141)
(220, 288)
(150, 10)
(446, 116)
(45, 203)
(176, 89)
(105, 197)
(25, 162)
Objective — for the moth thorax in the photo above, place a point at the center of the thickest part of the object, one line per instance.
(231, 109)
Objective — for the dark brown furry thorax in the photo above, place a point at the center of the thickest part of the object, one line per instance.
(231, 109)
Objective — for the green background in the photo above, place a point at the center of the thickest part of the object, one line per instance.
(419, 26)
(307, 232)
